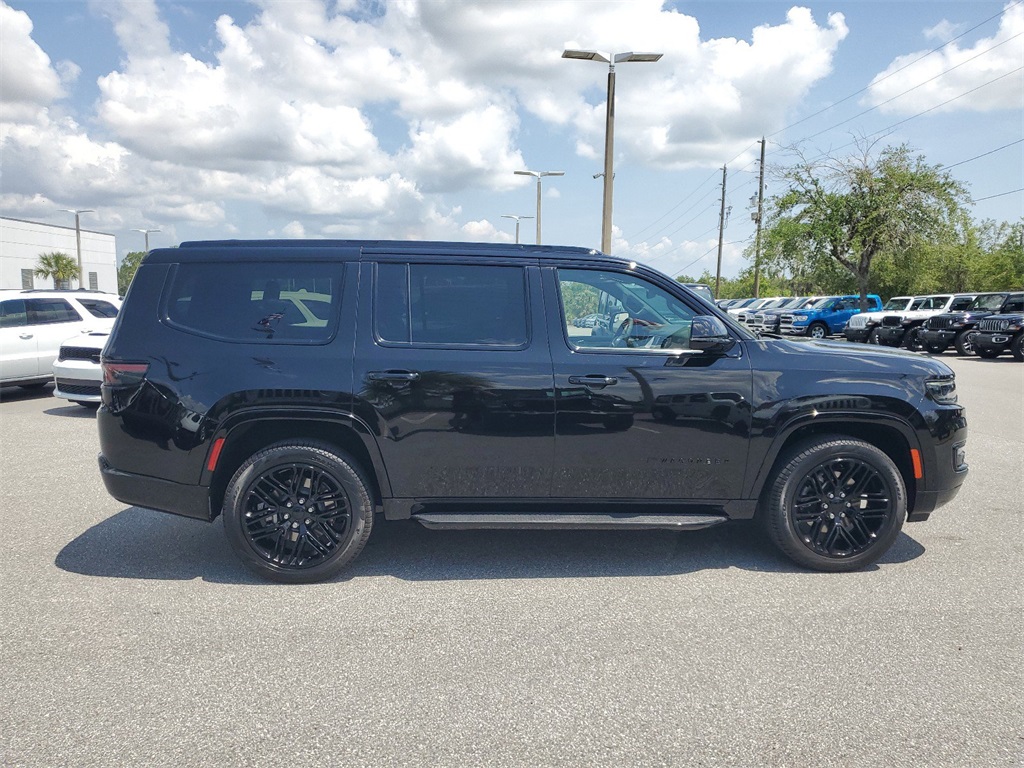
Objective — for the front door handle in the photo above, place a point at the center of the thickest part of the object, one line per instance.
(596, 381)
(393, 375)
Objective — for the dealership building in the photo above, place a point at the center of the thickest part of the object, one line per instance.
(23, 242)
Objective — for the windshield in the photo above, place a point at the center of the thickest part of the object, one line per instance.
(992, 301)
(897, 302)
(822, 303)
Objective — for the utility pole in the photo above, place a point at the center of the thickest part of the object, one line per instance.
(757, 238)
(721, 236)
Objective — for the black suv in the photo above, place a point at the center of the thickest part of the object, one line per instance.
(299, 387)
(960, 328)
(1003, 332)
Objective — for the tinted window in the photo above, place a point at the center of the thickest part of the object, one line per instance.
(13, 313)
(451, 304)
(962, 303)
(48, 311)
(1014, 304)
(99, 308)
(293, 302)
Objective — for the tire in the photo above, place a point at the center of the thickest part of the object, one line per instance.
(873, 337)
(988, 354)
(286, 479)
(934, 349)
(34, 385)
(912, 340)
(964, 342)
(831, 534)
(1017, 348)
(817, 330)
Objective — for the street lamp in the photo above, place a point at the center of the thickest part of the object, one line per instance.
(78, 239)
(539, 175)
(517, 218)
(146, 233)
(609, 128)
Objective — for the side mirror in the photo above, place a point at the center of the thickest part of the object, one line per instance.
(709, 334)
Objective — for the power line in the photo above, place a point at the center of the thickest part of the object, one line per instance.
(1001, 194)
(984, 154)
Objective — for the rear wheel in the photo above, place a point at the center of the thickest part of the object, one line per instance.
(298, 512)
(837, 504)
(964, 342)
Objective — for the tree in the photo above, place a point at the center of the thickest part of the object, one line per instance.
(129, 266)
(855, 209)
(61, 267)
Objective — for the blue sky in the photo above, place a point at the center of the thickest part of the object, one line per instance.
(383, 119)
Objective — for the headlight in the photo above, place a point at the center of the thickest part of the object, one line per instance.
(942, 391)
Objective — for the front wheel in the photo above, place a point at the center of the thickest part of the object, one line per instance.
(912, 340)
(964, 342)
(873, 337)
(1017, 348)
(837, 504)
(298, 512)
(817, 331)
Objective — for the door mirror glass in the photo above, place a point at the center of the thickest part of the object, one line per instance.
(709, 334)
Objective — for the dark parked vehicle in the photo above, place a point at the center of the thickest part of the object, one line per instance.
(1001, 333)
(960, 328)
(297, 388)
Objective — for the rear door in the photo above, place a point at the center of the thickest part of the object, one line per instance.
(638, 413)
(453, 375)
(19, 356)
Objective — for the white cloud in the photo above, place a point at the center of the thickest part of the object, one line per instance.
(954, 72)
(30, 83)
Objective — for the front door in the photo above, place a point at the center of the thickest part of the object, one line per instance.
(638, 413)
(454, 376)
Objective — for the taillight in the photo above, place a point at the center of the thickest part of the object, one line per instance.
(123, 374)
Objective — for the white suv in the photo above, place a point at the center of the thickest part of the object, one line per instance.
(34, 323)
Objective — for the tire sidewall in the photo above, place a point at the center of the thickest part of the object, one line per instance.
(817, 328)
(793, 468)
(1017, 348)
(340, 467)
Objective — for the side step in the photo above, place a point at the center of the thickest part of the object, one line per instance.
(460, 521)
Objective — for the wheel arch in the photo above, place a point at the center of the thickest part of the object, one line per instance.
(891, 436)
(246, 435)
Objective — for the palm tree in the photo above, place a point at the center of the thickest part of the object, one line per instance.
(61, 267)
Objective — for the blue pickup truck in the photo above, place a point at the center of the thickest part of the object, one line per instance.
(826, 317)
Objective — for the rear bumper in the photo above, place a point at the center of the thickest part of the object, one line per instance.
(153, 493)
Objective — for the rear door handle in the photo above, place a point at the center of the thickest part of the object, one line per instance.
(594, 380)
(393, 375)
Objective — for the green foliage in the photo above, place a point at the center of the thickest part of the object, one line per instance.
(59, 266)
(129, 266)
(579, 299)
(851, 211)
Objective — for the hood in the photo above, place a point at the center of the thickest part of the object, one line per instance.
(811, 354)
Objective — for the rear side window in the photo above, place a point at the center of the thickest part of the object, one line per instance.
(290, 302)
(1014, 304)
(451, 304)
(49, 311)
(13, 313)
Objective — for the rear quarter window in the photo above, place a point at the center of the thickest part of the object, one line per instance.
(286, 302)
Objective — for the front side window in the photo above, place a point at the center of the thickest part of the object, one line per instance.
(290, 302)
(50, 311)
(441, 304)
(98, 308)
(616, 311)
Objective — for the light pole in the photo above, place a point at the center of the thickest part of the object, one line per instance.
(539, 175)
(517, 218)
(78, 239)
(609, 128)
(146, 233)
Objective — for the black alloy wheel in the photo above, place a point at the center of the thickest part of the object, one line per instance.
(837, 504)
(964, 342)
(912, 340)
(298, 512)
(873, 337)
(1017, 348)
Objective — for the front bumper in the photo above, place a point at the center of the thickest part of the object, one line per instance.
(995, 342)
(858, 334)
(943, 337)
(891, 335)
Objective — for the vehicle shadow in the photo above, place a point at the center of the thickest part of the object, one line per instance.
(142, 544)
(11, 394)
(72, 410)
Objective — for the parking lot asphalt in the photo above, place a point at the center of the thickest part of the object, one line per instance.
(134, 638)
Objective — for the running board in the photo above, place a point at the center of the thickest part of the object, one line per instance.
(459, 521)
